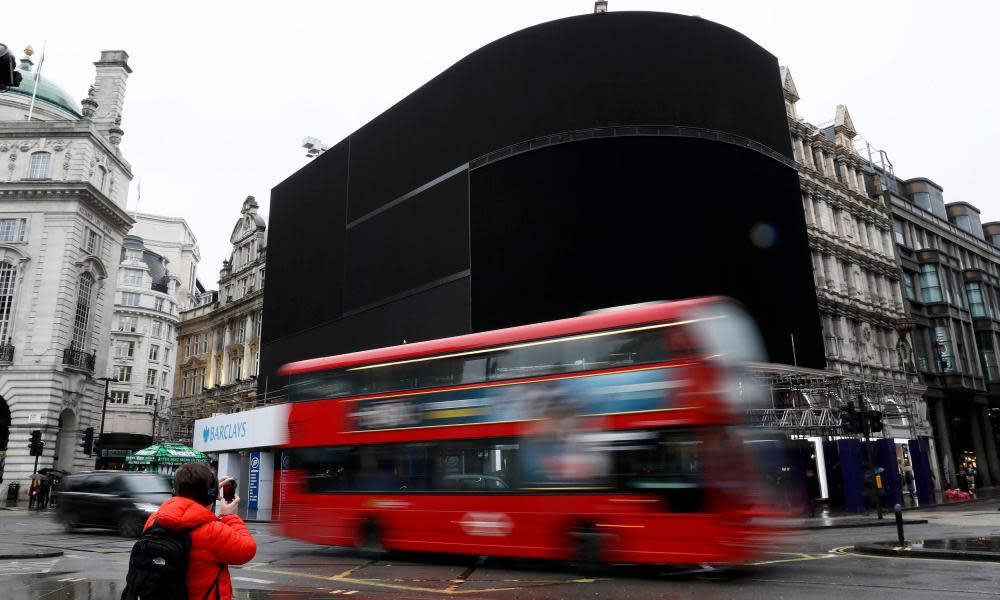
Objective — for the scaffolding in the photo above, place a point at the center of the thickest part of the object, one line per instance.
(810, 403)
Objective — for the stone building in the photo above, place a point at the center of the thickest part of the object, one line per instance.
(63, 195)
(219, 337)
(143, 345)
(950, 264)
(865, 324)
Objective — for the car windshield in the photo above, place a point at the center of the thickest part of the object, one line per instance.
(147, 484)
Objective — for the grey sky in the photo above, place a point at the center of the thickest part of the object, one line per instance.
(223, 92)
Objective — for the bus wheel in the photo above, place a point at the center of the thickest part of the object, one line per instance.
(369, 543)
(587, 550)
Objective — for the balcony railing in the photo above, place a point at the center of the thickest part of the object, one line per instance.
(6, 352)
(79, 359)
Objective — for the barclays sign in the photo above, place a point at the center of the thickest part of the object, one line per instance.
(224, 432)
(258, 428)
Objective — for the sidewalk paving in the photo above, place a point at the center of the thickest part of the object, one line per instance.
(985, 549)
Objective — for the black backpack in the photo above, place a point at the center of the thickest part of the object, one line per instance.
(157, 567)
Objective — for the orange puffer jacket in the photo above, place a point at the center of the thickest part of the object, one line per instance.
(217, 542)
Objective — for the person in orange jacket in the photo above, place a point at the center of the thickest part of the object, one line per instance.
(216, 540)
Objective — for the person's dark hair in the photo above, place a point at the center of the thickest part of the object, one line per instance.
(196, 481)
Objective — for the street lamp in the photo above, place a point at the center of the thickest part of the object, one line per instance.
(104, 410)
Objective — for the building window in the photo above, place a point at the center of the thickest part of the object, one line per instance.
(898, 229)
(157, 329)
(166, 354)
(908, 286)
(39, 166)
(81, 319)
(123, 373)
(943, 350)
(258, 318)
(151, 376)
(124, 349)
(8, 279)
(132, 277)
(13, 230)
(92, 241)
(204, 342)
(154, 352)
(150, 399)
(241, 331)
(187, 345)
(158, 304)
(930, 285)
(100, 175)
(988, 355)
(130, 299)
(201, 375)
(923, 200)
(235, 368)
(976, 305)
(131, 254)
(128, 324)
(117, 397)
(186, 382)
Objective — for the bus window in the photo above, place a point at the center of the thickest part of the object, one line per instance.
(670, 464)
(476, 466)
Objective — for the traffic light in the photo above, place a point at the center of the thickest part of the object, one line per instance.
(36, 445)
(9, 75)
(874, 420)
(849, 419)
(88, 441)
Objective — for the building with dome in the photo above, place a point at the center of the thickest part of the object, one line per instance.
(63, 192)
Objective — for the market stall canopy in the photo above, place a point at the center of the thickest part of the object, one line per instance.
(164, 454)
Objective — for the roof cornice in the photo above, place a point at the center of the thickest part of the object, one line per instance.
(30, 190)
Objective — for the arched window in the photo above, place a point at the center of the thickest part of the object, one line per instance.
(81, 322)
(39, 166)
(99, 176)
(7, 280)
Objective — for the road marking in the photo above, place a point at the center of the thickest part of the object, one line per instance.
(251, 580)
(412, 588)
(71, 579)
(799, 556)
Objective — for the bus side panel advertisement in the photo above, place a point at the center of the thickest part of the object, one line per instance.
(615, 393)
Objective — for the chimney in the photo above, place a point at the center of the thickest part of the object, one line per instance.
(109, 93)
(601, 6)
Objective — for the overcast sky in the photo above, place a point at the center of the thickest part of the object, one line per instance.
(222, 93)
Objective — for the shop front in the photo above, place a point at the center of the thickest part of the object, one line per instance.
(245, 446)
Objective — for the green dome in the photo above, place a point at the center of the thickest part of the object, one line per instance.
(47, 90)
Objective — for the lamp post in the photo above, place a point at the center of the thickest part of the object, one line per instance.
(104, 410)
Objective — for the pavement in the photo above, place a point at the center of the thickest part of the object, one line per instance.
(828, 562)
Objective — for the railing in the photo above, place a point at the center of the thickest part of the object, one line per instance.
(6, 352)
(79, 359)
(794, 418)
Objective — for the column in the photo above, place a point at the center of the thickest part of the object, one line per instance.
(982, 461)
(989, 441)
(943, 437)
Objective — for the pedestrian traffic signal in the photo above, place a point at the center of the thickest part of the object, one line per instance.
(36, 445)
(9, 75)
(88, 441)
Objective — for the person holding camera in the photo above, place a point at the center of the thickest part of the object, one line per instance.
(215, 540)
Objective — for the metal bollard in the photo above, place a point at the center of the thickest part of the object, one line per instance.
(899, 522)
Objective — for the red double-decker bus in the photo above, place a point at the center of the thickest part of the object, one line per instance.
(612, 436)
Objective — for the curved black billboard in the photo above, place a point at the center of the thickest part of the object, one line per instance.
(587, 162)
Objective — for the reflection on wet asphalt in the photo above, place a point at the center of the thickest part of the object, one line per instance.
(977, 544)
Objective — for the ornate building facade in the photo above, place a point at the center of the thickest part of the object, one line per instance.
(866, 328)
(63, 195)
(219, 337)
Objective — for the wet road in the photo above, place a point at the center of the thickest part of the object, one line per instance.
(817, 564)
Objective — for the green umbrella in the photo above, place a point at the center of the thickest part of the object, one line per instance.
(164, 454)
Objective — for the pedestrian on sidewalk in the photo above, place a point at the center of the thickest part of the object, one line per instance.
(216, 540)
(44, 488)
(33, 493)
